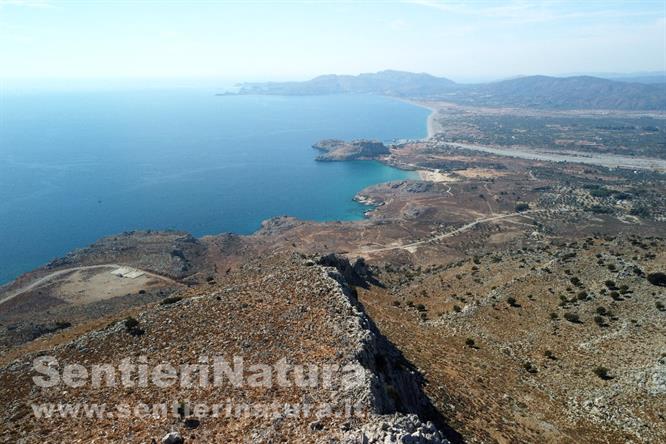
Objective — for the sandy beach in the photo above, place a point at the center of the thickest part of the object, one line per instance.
(430, 122)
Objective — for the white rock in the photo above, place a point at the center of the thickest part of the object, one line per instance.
(173, 438)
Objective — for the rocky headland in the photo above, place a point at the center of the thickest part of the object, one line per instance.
(339, 150)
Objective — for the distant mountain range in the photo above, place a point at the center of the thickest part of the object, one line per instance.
(657, 78)
(565, 93)
(385, 82)
(584, 92)
(635, 77)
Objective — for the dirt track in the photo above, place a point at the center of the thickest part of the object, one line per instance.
(411, 247)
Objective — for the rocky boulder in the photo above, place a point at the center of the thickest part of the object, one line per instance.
(402, 429)
(173, 438)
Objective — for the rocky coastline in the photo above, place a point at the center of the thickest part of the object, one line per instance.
(339, 150)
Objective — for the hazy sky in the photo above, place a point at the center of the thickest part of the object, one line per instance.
(297, 40)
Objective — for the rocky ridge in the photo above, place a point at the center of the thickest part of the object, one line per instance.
(280, 306)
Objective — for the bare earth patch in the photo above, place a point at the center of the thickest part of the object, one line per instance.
(84, 287)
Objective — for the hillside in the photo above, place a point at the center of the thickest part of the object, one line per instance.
(547, 343)
(583, 92)
(282, 311)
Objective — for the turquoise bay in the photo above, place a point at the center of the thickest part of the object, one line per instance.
(78, 166)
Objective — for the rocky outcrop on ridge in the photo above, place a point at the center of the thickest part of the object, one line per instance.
(273, 308)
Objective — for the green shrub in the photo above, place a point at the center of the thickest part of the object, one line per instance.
(171, 300)
(132, 327)
(602, 372)
(640, 211)
(600, 209)
(529, 367)
(573, 318)
(523, 206)
(130, 322)
(600, 192)
(657, 278)
(601, 322)
(183, 409)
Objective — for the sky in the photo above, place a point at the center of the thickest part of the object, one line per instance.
(127, 41)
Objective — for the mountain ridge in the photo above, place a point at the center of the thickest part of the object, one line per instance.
(537, 91)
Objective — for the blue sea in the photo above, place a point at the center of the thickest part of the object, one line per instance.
(76, 166)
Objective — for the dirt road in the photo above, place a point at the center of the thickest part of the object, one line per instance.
(411, 247)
